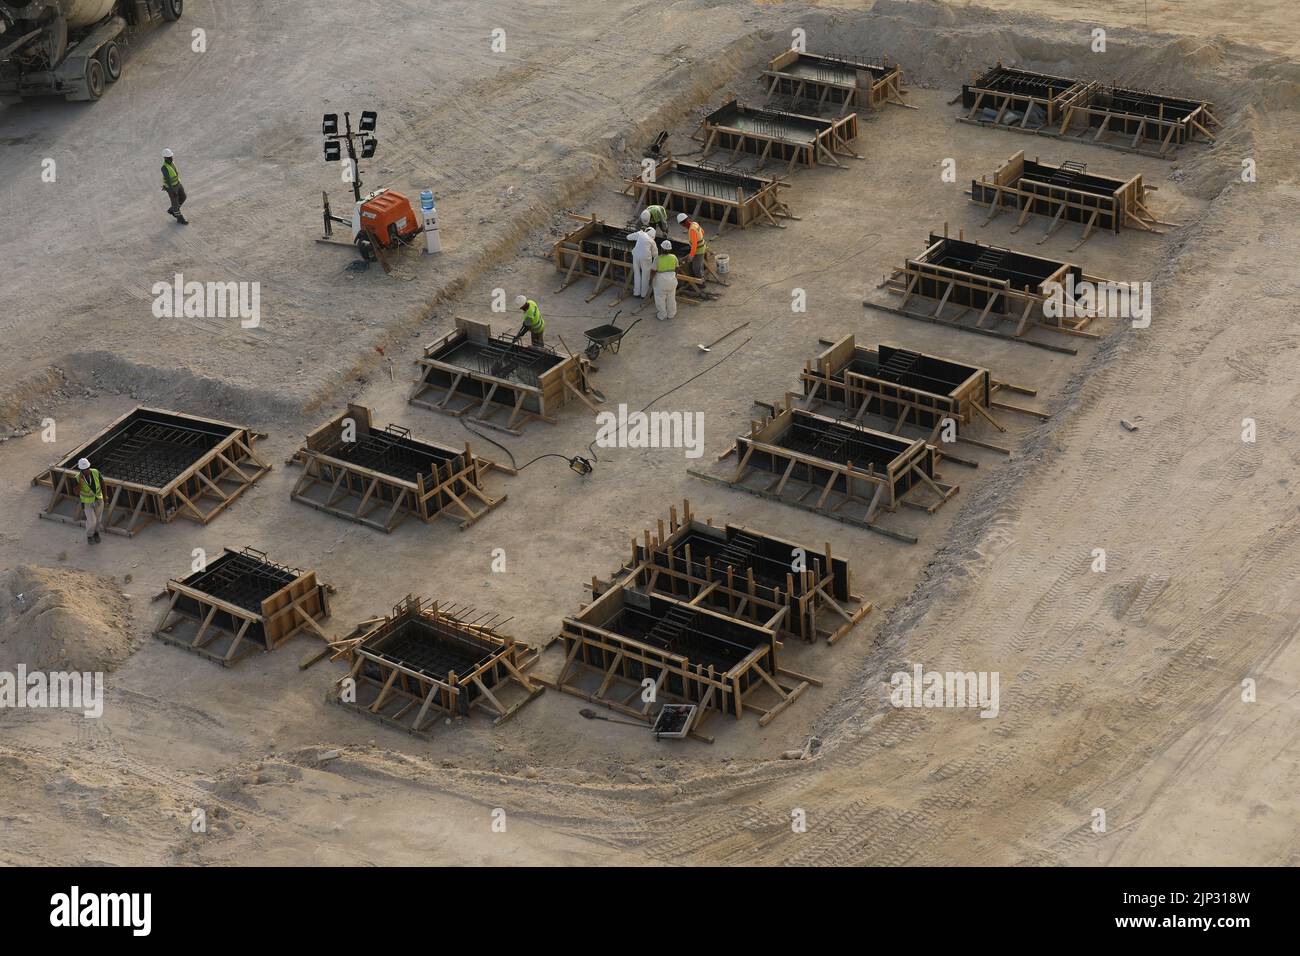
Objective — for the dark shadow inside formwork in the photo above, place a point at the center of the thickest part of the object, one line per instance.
(499, 358)
(242, 578)
(910, 369)
(1038, 102)
(610, 242)
(422, 646)
(1072, 193)
(839, 443)
(420, 658)
(710, 182)
(1024, 273)
(738, 552)
(391, 451)
(705, 640)
(836, 68)
(772, 124)
(150, 448)
(814, 82)
(1022, 83)
(1070, 176)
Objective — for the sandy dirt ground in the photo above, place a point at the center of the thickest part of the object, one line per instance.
(1121, 690)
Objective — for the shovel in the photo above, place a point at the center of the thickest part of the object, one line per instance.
(706, 348)
(592, 715)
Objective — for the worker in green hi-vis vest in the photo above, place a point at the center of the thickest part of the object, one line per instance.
(172, 186)
(656, 216)
(663, 276)
(534, 325)
(90, 492)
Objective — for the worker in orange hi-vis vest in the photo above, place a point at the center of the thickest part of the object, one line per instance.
(699, 248)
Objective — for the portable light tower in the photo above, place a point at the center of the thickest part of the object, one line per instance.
(380, 219)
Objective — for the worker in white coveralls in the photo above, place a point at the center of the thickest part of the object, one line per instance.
(90, 491)
(643, 260)
(664, 278)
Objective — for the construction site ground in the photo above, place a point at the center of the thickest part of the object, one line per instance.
(1120, 690)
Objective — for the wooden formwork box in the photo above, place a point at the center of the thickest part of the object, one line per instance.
(995, 298)
(623, 663)
(765, 205)
(1071, 102)
(200, 493)
(412, 699)
(829, 377)
(576, 262)
(1057, 92)
(294, 609)
(479, 396)
(354, 492)
(874, 84)
(837, 485)
(663, 562)
(824, 149)
(1110, 204)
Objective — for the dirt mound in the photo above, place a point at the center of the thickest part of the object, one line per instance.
(60, 619)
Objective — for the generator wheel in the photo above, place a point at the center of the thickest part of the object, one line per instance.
(94, 79)
(366, 248)
(111, 56)
(172, 9)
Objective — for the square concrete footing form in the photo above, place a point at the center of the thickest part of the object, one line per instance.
(495, 382)
(427, 660)
(240, 603)
(854, 472)
(1065, 193)
(993, 285)
(699, 614)
(601, 251)
(908, 388)
(379, 477)
(157, 465)
(778, 137)
(720, 194)
(1136, 121)
(843, 83)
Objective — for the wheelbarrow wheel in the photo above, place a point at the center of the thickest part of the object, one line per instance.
(593, 351)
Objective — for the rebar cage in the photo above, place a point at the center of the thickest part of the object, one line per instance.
(240, 602)
(157, 465)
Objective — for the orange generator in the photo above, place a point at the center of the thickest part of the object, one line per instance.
(388, 218)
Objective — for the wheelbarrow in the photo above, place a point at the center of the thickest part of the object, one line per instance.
(605, 338)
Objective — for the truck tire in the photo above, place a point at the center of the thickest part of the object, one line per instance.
(95, 79)
(110, 54)
(172, 9)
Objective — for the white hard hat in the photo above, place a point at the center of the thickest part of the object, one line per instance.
(645, 215)
(167, 153)
(666, 246)
(83, 464)
(521, 301)
(682, 217)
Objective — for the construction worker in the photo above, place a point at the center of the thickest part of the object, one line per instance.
(664, 277)
(90, 490)
(533, 323)
(643, 260)
(172, 186)
(699, 248)
(656, 216)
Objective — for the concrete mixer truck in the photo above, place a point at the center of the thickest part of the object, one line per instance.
(69, 48)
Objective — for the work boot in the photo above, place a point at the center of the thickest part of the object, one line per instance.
(96, 538)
